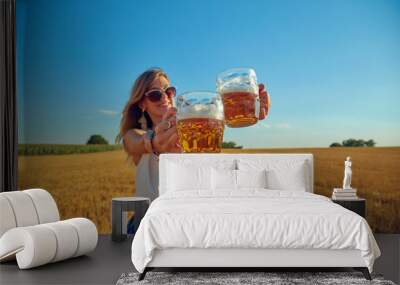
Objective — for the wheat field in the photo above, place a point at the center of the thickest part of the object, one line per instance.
(84, 184)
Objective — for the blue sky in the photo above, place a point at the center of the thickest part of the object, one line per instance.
(332, 67)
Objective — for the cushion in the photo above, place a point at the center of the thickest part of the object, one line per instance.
(87, 233)
(281, 174)
(23, 208)
(223, 179)
(293, 178)
(170, 181)
(251, 178)
(67, 239)
(7, 219)
(33, 246)
(40, 244)
(183, 177)
(26, 208)
(46, 207)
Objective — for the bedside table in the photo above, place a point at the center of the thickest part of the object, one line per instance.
(357, 205)
(121, 205)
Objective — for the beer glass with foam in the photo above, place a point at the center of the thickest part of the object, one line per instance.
(200, 121)
(238, 89)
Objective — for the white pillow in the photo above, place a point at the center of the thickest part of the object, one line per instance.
(282, 174)
(223, 179)
(251, 178)
(293, 178)
(183, 177)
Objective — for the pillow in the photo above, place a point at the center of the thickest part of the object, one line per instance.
(198, 160)
(281, 174)
(251, 178)
(183, 177)
(223, 179)
(219, 163)
(293, 178)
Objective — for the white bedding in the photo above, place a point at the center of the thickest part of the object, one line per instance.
(251, 218)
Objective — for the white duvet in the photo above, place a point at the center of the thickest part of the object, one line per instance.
(253, 218)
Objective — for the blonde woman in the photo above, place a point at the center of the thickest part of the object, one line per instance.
(148, 126)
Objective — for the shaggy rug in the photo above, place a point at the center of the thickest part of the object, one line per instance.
(229, 278)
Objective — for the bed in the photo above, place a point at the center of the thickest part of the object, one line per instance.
(247, 210)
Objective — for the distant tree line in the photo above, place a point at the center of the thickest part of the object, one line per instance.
(230, 144)
(354, 143)
(58, 149)
(96, 139)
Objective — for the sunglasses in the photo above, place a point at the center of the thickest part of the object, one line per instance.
(155, 95)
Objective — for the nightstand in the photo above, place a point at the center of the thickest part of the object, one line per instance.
(357, 205)
(120, 207)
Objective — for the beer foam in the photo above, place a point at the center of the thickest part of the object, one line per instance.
(231, 89)
(200, 111)
(237, 83)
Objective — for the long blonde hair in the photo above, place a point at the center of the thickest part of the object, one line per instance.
(132, 112)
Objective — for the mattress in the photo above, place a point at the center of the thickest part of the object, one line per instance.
(250, 219)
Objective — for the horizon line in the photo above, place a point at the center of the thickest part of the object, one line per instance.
(254, 148)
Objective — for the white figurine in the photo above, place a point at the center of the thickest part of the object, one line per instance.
(347, 173)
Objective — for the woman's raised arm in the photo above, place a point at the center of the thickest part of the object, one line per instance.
(134, 144)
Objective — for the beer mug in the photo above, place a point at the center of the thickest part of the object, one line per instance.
(200, 121)
(238, 89)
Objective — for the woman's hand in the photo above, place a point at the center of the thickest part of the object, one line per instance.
(166, 136)
(265, 101)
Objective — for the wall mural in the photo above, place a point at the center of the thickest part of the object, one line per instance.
(330, 73)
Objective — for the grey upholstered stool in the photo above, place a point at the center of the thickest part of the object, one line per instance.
(120, 206)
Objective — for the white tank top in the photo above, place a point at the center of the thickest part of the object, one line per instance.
(147, 176)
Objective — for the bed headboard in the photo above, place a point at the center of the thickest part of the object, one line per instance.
(212, 159)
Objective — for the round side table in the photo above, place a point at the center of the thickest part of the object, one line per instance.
(120, 206)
